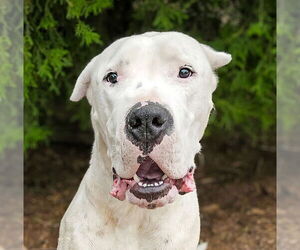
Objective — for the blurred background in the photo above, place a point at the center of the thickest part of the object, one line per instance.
(236, 170)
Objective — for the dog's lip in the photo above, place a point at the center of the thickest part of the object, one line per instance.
(154, 189)
(149, 192)
(148, 171)
(150, 175)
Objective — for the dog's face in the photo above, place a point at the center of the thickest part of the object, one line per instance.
(151, 96)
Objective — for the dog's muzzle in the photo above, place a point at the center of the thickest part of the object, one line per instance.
(151, 187)
(146, 125)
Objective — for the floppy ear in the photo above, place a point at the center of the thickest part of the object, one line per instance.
(216, 59)
(82, 82)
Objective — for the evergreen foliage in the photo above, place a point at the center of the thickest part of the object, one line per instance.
(11, 74)
(62, 35)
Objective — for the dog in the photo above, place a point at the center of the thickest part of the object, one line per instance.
(150, 97)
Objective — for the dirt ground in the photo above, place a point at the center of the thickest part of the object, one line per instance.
(236, 213)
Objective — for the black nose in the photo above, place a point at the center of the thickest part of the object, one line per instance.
(146, 125)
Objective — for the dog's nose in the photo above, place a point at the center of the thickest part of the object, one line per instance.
(147, 124)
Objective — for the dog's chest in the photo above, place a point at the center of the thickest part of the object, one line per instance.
(134, 229)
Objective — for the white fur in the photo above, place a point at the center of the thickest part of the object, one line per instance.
(147, 66)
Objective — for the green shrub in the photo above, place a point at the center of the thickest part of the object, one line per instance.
(11, 74)
(61, 36)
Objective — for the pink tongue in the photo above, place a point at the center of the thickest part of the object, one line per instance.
(149, 170)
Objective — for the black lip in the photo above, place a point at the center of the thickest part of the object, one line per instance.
(151, 193)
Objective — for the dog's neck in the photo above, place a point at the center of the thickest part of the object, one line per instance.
(98, 178)
(100, 161)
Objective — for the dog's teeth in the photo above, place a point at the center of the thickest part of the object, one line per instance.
(164, 177)
(155, 184)
(136, 178)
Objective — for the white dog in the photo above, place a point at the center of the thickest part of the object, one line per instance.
(151, 96)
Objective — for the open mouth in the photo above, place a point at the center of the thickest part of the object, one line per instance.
(151, 187)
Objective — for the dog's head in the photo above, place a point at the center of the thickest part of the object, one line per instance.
(151, 96)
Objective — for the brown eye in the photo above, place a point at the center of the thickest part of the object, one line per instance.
(185, 72)
(112, 77)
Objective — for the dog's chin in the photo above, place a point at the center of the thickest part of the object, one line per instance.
(152, 197)
(151, 187)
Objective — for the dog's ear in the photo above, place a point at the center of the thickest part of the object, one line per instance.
(82, 82)
(216, 59)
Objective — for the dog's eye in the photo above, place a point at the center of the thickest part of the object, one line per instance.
(111, 77)
(185, 72)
